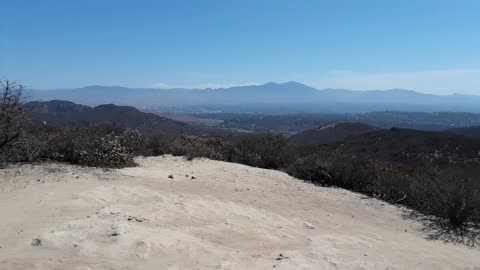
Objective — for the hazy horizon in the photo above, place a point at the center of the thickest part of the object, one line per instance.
(226, 87)
(426, 46)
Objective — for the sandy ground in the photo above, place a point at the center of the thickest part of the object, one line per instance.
(230, 216)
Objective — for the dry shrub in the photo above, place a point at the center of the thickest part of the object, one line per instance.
(450, 193)
(194, 147)
(99, 146)
(263, 150)
(156, 142)
(12, 118)
(453, 194)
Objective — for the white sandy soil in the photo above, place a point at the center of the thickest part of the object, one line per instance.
(57, 216)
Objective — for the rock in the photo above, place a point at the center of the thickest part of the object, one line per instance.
(281, 257)
(193, 177)
(308, 225)
(36, 242)
(171, 176)
(137, 219)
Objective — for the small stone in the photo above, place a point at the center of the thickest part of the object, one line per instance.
(308, 225)
(193, 177)
(281, 257)
(171, 176)
(36, 242)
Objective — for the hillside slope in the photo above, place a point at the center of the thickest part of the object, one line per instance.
(229, 216)
(414, 146)
(473, 132)
(330, 133)
(59, 112)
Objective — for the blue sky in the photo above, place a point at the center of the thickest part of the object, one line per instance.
(429, 46)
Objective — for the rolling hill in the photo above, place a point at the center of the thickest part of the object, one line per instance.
(330, 133)
(61, 113)
(410, 146)
(473, 132)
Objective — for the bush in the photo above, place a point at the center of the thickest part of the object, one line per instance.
(453, 194)
(263, 150)
(311, 168)
(99, 146)
(30, 145)
(156, 142)
(194, 147)
(449, 193)
(12, 118)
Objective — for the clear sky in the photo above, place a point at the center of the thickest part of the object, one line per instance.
(426, 45)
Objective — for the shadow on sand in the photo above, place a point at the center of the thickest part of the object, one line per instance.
(441, 229)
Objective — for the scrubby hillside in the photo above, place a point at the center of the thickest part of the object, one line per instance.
(59, 113)
(473, 132)
(169, 213)
(333, 132)
(414, 146)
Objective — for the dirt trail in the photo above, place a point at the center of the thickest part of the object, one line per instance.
(210, 215)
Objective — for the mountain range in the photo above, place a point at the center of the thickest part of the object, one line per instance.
(274, 97)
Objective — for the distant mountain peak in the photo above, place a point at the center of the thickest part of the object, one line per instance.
(93, 86)
(294, 83)
(104, 87)
(399, 90)
(270, 84)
